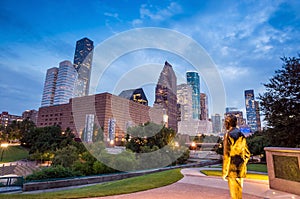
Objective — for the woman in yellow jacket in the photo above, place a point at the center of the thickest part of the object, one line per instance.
(236, 156)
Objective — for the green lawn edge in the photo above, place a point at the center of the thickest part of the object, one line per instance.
(129, 185)
(249, 175)
(250, 167)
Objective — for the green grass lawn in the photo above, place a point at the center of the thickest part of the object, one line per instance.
(124, 186)
(257, 167)
(250, 167)
(249, 175)
(13, 153)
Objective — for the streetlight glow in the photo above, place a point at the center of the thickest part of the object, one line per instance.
(4, 145)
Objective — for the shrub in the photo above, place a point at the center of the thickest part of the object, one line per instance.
(100, 168)
(53, 172)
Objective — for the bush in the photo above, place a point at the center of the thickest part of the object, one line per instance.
(53, 172)
(100, 168)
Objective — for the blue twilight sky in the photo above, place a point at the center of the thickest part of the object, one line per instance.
(245, 40)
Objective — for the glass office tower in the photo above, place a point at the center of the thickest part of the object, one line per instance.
(66, 78)
(83, 58)
(194, 81)
(49, 87)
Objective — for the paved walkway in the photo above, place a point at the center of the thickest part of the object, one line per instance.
(195, 185)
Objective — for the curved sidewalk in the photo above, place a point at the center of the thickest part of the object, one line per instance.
(195, 185)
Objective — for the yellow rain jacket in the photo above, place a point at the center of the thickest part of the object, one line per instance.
(236, 154)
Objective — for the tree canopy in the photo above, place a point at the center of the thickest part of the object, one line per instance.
(281, 104)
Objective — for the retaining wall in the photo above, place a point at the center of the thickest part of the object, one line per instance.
(103, 178)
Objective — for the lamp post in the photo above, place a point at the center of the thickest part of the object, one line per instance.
(3, 146)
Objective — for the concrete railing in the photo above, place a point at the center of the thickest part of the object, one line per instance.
(18, 168)
(284, 169)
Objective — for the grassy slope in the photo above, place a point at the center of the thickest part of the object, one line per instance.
(129, 185)
(13, 153)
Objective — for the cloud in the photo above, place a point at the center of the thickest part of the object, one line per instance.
(113, 15)
(233, 72)
(157, 14)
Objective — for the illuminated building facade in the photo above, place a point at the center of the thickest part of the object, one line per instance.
(109, 112)
(194, 81)
(31, 115)
(184, 99)
(165, 95)
(216, 123)
(6, 118)
(203, 107)
(136, 95)
(83, 58)
(252, 111)
(65, 83)
(257, 116)
(49, 87)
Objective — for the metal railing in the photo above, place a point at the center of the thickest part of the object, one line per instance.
(8, 184)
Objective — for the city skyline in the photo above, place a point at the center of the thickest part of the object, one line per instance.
(246, 48)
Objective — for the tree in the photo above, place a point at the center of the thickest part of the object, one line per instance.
(17, 129)
(148, 135)
(257, 142)
(66, 156)
(281, 104)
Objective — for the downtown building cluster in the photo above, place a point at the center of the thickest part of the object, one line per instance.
(66, 102)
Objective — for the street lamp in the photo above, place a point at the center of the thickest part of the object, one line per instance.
(3, 146)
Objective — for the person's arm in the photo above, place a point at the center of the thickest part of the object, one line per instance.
(226, 156)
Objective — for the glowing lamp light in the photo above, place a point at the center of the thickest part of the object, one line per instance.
(4, 145)
(193, 144)
(112, 142)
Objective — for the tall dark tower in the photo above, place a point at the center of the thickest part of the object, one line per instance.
(165, 94)
(252, 111)
(83, 58)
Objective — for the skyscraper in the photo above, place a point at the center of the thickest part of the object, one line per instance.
(136, 95)
(203, 107)
(194, 81)
(66, 78)
(83, 58)
(238, 114)
(216, 123)
(165, 94)
(49, 87)
(251, 110)
(257, 116)
(184, 98)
